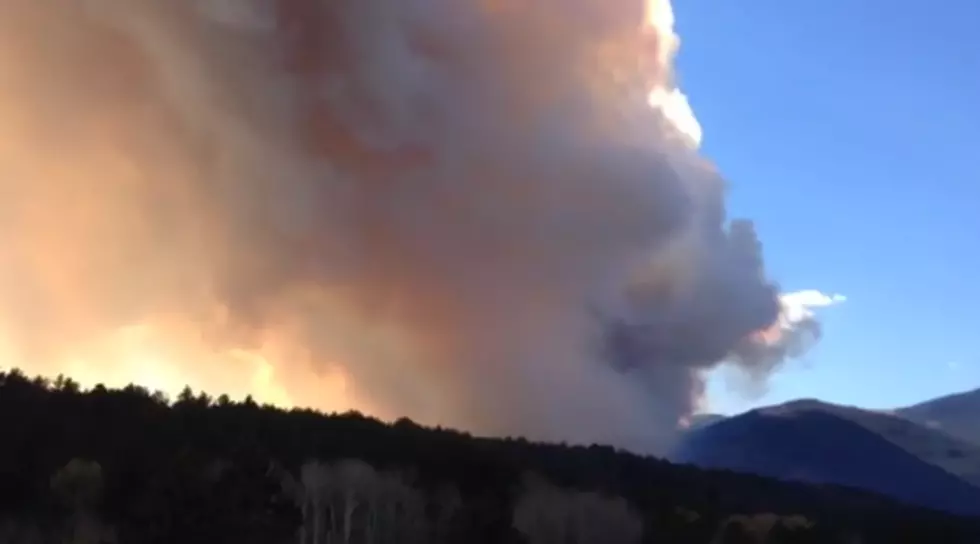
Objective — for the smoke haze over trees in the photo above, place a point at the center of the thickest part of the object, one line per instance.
(491, 215)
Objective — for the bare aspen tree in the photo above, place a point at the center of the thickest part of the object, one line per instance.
(79, 485)
(740, 529)
(292, 491)
(446, 504)
(22, 533)
(757, 529)
(352, 503)
(545, 514)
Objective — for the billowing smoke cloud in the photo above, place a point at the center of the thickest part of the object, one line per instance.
(795, 331)
(486, 214)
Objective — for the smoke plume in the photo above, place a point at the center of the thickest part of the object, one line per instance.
(794, 332)
(489, 214)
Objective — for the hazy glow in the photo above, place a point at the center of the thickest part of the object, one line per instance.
(485, 214)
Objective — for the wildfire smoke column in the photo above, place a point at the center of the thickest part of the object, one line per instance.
(485, 214)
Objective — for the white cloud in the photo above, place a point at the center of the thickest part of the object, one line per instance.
(798, 305)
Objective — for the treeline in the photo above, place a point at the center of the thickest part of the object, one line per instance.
(129, 466)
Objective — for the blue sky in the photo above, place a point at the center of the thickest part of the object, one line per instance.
(849, 131)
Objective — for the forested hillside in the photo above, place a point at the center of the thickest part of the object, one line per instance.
(822, 443)
(128, 466)
(955, 414)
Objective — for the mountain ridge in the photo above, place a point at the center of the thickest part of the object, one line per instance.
(957, 414)
(820, 446)
(920, 454)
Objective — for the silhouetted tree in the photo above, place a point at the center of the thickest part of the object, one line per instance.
(197, 471)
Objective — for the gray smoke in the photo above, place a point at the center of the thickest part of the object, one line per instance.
(464, 212)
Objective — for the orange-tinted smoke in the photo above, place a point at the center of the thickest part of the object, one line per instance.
(428, 208)
(311, 48)
(769, 335)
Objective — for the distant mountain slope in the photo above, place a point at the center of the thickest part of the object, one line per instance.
(814, 442)
(932, 445)
(958, 414)
(699, 421)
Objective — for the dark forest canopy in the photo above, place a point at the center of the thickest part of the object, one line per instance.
(203, 469)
